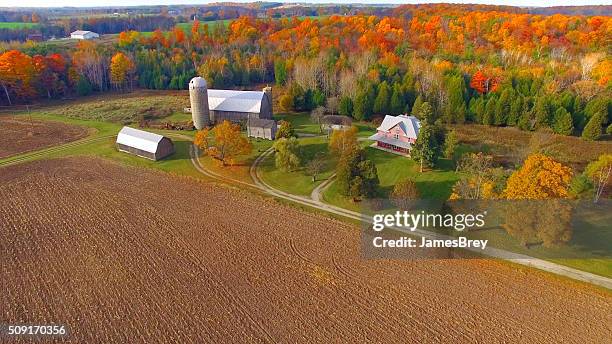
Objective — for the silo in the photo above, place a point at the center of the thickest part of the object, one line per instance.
(198, 95)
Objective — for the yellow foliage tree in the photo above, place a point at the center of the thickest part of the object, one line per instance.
(121, 69)
(540, 177)
(226, 143)
(342, 141)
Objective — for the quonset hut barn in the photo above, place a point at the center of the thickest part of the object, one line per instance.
(144, 144)
(209, 106)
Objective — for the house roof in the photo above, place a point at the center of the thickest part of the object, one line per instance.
(81, 32)
(261, 123)
(139, 139)
(235, 101)
(409, 124)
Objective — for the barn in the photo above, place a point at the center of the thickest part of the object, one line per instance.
(80, 34)
(261, 128)
(144, 144)
(238, 106)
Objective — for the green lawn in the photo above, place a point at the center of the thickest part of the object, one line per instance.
(18, 25)
(298, 182)
(433, 184)
(303, 125)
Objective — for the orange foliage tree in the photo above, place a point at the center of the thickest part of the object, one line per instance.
(540, 177)
(225, 144)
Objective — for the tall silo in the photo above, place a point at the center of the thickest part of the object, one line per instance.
(198, 95)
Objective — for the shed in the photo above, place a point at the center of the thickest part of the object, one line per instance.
(144, 144)
(335, 122)
(261, 128)
(80, 34)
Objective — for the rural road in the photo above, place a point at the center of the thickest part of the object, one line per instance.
(315, 202)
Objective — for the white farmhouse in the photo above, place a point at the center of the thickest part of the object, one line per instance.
(84, 35)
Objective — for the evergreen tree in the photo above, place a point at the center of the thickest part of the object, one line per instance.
(398, 104)
(360, 107)
(416, 107)
(381, 103)
(345, 107)
(502, 107)
(477, 108)
(426, 149)
(456, 109)
(563, 122)
(369, 178)
(83, 86)
(280, 72)
(489, 111)
(515, 110)
(542, 112)
(593, 130)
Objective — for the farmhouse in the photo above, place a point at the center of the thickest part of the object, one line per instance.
(261, 128)
(144, 144)
(396, 134)
(79, 34)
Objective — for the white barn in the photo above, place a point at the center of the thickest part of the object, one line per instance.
(79, 34)
(144, 144)
(239, 106)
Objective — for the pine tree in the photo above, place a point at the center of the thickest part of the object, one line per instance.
(456, 109)
(563, 122)
(489, 112)
(345, 107)
(502, 107)
(426, 149)
(360, 107)
(593, 130)
(381, 104)
(416, 107)
(515, 111)
(398, 104)
(542, 112)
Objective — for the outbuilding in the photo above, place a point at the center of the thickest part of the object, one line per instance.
(80, 34)
(144, 144)
(261, 128)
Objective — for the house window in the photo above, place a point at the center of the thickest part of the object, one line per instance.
(396, 136)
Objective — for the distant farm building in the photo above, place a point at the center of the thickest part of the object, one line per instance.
(79, 34)
(210, 106)
(335, 122)
(261, 128)
(144, 144)
(397, 134)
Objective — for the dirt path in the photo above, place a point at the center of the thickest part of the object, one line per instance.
(315, 202)
(123, 254)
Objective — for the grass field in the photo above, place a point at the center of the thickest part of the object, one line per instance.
(18, 25)
(432, 184)
(299, 182)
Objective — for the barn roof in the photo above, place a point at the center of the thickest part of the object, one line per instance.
(139, 139)
(80, 32)
(409, 124)
(235, 101)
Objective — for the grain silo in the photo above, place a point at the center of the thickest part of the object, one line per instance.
(198, 94)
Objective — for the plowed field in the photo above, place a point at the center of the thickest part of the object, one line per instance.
(124, 255)
(19, 134)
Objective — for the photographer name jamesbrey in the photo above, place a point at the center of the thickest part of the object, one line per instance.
(406, 242)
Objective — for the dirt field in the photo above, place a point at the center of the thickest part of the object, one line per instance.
(123, 255)
(19, 135)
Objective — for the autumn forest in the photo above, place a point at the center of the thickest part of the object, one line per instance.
(475, 65)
